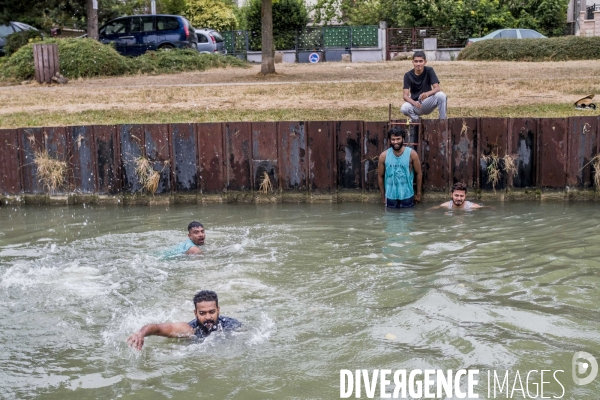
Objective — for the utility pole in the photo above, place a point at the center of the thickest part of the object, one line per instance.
(153, 7)
(92, 19)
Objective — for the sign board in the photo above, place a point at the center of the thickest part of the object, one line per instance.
(314, 57)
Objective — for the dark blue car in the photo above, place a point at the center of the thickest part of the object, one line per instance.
(137, 34)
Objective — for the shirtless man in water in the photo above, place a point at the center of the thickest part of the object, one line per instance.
(459, 194)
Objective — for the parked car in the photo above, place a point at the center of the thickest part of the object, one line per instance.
(135, 35)
(509, 34)
(210, 41)
(9, 29)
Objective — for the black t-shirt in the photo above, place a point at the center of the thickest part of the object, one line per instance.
(420, 83)
(223, 324)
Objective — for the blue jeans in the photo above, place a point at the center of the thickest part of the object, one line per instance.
(406, 203)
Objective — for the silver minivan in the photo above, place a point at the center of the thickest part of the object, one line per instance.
(210, 41)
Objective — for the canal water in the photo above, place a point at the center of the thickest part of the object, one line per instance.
(318, 287)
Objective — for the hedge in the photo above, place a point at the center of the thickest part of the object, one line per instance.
(553, 49)
(89, 58)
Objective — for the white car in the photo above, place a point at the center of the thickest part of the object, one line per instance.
(509, 34)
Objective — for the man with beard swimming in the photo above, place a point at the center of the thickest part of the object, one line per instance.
(459, 202)
(396, 171)
(208, 320)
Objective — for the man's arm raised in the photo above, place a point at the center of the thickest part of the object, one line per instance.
(174, 330)
(416, 163)
(381, 175)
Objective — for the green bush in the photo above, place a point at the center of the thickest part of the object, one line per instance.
(88, 58)
(552, 49)
(213, 14)
(19, 39)
(169, 61)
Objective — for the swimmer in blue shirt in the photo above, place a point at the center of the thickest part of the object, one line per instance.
(196, 236)
(208, 320)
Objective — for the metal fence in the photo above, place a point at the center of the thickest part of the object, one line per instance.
(410, 39)
(591, 9)
(318, 38)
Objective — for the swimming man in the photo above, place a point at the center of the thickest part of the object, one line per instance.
(208, 320)
(196, 236)
(396, 171)
(459, 202)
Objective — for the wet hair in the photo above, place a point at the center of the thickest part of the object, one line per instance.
(419, 54)
(206, 295)
(396, 131)
(459, 186)
(194, 224)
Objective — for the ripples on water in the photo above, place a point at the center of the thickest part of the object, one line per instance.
(318, 288)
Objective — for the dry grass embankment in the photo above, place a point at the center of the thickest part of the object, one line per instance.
(328, 91)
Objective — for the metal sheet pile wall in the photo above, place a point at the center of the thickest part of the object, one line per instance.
(315, 157)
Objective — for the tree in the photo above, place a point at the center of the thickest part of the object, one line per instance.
(268, 51)
(210, 14)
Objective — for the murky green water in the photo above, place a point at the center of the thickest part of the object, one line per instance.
(317, 287)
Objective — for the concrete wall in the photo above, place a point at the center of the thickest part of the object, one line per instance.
(304, 160)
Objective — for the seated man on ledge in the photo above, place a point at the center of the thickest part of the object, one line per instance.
(206, 310)
(422, 93)
(458, 202)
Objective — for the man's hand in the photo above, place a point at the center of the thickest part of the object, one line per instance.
(417, 104)
(136, 340)
(418, 198)
(423, 96)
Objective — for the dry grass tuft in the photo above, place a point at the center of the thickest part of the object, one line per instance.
(51, 173)
(493, 169)
(595, 163)
(265, 185)
(510, 165)
(147, 176)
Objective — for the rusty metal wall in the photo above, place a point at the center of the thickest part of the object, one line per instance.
(522, 136)
(435, 145)
(315, 156)
(212, 159)
(83, 172)
(238, 153)
(107, 147)
(321, 164)
(348, 150)
(292, 155)
(132, 149)
(493, 140)
(463, 139)
(265, 155)
(374, 142)
(30, 141)
(10, 162)
(158, 151)
(184, 154)
(552, 151)
(582, 147)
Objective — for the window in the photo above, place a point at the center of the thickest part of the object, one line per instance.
(142, 24)
(116, 27)
(167, 23)
(529, 34)
(509, 34)
(217, 36)
(5, 30)
(202, 38)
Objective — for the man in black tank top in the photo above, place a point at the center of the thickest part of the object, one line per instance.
(208, 320)
(422, 93)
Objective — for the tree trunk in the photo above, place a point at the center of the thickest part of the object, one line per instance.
(268, 53)
(92, 18)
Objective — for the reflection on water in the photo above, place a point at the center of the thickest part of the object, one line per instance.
(318, 288)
